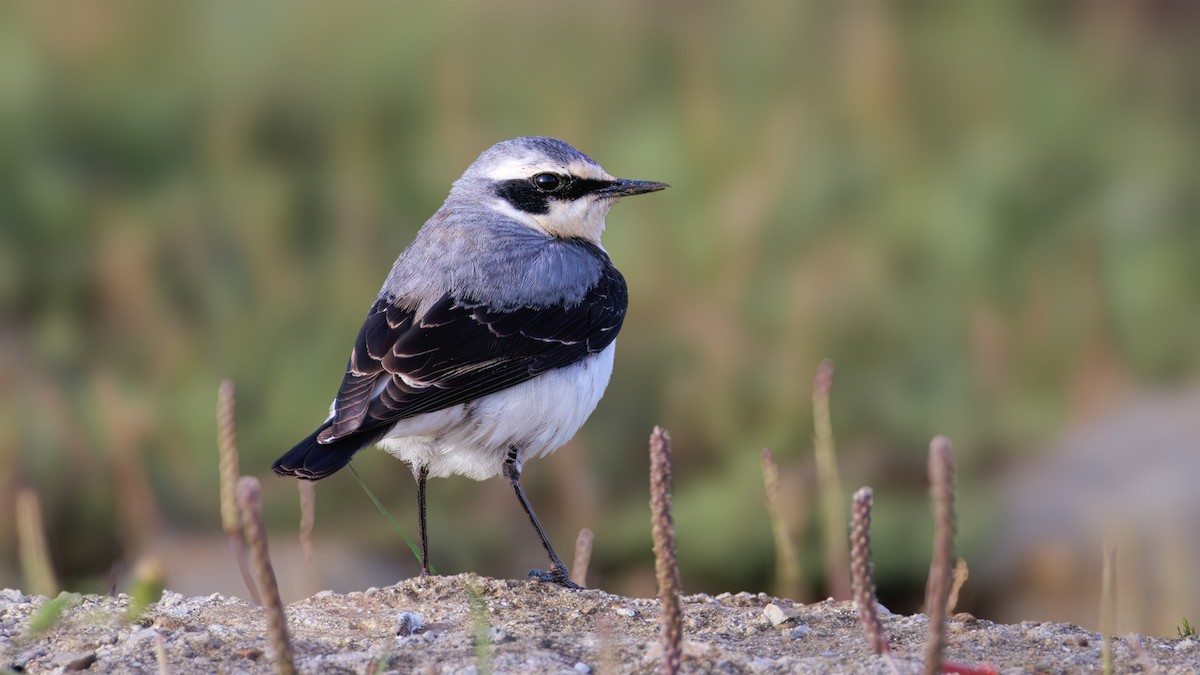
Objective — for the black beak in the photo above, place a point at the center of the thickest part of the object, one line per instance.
(621, 187)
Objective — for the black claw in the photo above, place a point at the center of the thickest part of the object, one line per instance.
(555, 576)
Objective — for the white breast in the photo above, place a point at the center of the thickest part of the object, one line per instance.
(537, 417)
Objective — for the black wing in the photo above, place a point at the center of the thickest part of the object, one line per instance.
(460, 350)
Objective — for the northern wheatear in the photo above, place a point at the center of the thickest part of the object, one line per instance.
(492, 339)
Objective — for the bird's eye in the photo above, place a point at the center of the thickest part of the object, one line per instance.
(547, 182)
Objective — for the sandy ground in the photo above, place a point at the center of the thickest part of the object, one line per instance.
(468, 624)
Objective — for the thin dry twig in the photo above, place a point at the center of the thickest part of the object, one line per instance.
(1108, 602)
(958, 579)
(308, 516)
(31, 544)
(862, 584)
(256, 536)
(227, 448)
(160, 653)
(937, 589)
(583, 557)
(666, 569)
(787, 563)
(829, 487)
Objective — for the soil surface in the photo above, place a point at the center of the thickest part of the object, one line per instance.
(469, 624)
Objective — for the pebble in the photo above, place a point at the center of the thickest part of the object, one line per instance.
(1186, 645)
(581, 667)
(800, 631)
(141, 634)
(169, 599)
(76, 661)
(626, 611)
(775, 614)
(408, 623)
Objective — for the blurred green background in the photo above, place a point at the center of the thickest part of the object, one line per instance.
(984, 213)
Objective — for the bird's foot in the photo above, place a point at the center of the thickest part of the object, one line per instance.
(557, 575)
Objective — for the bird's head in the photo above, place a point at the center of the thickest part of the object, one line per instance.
(548, 185)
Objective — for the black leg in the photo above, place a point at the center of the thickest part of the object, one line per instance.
(422, 474)
(558, 572)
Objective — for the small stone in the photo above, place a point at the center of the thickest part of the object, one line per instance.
(249, 653)
(626, 611)
(776, 615)
(76, 661)
(408, 623)
(800, 631)
(581, 667)
(1186, 645)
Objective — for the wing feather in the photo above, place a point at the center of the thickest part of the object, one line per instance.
(461, 349)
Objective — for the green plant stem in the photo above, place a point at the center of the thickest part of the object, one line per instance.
(379, 505)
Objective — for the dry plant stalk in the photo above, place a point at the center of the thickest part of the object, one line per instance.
(583, 557)
(666, 569)
(829, 487)
(787, 563)
(160, 653)
(256, 536)
(1108, 602)
(31, 542)
(959, 578)
(937, 588)
(308, 516)
(227, 448)
(862, 584)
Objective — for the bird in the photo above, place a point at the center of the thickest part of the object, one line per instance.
(492, 339)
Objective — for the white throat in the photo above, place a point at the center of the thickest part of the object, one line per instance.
(579, 219)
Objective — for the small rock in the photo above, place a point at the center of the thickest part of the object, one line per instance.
(142, 634)
(1186, 645)
(498, 635)
(800, 631)
(581, 667)
(775, 614)
(626, 611)
(249, 653)
(408, 623)
(169, 600)
(76, 661)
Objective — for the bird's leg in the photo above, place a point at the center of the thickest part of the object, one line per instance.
(422, 474)
(558, 572)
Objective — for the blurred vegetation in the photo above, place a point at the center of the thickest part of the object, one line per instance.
(984, 213)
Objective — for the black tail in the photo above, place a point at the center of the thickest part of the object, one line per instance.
(311, 460)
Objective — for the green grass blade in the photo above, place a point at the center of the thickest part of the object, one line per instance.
(379, 505)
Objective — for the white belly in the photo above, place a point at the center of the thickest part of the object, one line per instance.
(537, 417)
